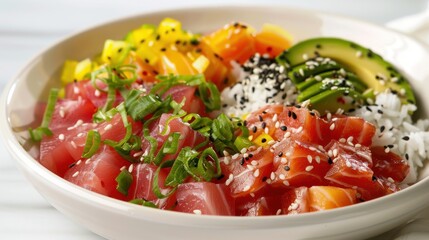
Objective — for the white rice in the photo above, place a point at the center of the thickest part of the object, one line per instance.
(393, 122)
(259, 82)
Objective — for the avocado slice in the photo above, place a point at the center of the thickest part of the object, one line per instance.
(370, 67)
(328, 84)
(311, 68)
(340, 74)
(332, 100)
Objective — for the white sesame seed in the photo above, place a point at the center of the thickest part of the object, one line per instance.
(78, 162)
(321, 148)
(138, 154)
(235, 156)
(243, 151)
(387, 150)
(75, 174)
(317, 159)
(309, 158)
(312, 149)
(250, 138)
(252, 194)
(254, 162)
(256, 173)
(197, 212)
(348, 164)
(299, 129)
(275, 117)
(279, 211)
(88, 161)
(358, 145)
(283, 160)
(97, 93)
(246, 188)
(77, 124)
(309, 168)
(271, 142)
(277, 125)
(287, 134)
(272, 176)
(305, 56)
(342, 140)
(282, 176)
(266, 130)
(335, 152)
(225, 153)
(75, 90)
(332, 127)
(350, 139)
(73, 144)
(330, 153)
(359, 54)
(301, 71)
(62, 112)
(390, 180)
(108, 127)
(229, 180)
(286, 182)
(61, 137)
(130, 168)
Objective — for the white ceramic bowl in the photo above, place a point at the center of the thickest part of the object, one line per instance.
(114, 219)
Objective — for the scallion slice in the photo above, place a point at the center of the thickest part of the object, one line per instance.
(38, 133)
(124, 180)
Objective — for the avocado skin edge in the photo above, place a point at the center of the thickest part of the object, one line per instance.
(363, 63)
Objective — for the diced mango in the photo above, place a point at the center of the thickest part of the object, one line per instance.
(201, 63)
(83, 68)
(170, 30)
(140, 35)
(67, 75)
(115, 52)
(263, 140)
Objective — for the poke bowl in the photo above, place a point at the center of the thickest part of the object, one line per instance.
(402, 57)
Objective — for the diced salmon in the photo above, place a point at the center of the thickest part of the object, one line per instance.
(327, 197)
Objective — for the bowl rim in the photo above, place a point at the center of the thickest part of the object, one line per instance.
(169, 217)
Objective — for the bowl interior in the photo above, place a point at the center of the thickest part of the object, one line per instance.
(42, 72)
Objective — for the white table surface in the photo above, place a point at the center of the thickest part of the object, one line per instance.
(29, 26)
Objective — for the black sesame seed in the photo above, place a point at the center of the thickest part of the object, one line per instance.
(289, 114)
(283, 128)
(406, 138)
(242, 161)
(330, 161)
(406, 156)
(382, 128)
(263, 140)
(260, 118)
(119, 50)
(254, 129)
(158, 37)
(163, 49)
(264, 179)
(318, 46)
(286, 168)
(374, 178)
(250, 155)
(72, 165)
(220, 177)
(390, 146)
(280, 154)
(380, 111)
(264, 124)
(294, 116)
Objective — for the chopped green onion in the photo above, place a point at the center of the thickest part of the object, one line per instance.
(92, 144)
(38, 133)
(155, 183)
(169, 147)
(139, 106)
(143, 202)
(124, 180)
(210, 96)
(242, 142)
(222, 128)
(189, 162)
